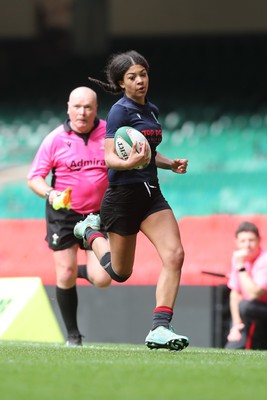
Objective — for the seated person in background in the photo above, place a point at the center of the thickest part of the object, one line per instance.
(248, 296)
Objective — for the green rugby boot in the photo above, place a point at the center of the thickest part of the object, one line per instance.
(166, 338)
(91, 221)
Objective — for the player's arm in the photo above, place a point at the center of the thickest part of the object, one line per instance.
(178, 165)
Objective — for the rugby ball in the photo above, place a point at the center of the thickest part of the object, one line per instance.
(124, 139)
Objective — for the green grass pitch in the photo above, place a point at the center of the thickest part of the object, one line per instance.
(129, 372)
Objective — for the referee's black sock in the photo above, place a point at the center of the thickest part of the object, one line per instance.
(68, 303)
(82, 272)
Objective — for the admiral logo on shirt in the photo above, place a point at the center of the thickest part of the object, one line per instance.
(86, 164)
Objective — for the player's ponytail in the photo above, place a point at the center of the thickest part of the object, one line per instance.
(116, 68)
(107, 87)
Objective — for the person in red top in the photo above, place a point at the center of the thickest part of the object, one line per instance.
(248, 295)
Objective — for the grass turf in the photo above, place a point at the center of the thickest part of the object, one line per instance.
(121, 371)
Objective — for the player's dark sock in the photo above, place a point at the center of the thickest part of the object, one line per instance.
(68, 303)
(105, 261)
(162, 317)
(90, 236)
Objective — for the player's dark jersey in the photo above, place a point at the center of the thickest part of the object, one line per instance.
(144, 118)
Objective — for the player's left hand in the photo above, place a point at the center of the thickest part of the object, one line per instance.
(179, 165)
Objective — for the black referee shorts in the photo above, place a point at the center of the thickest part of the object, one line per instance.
(59, 226)
(124, 207)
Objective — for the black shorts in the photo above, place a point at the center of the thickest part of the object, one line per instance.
(59, 226)
(124, 207)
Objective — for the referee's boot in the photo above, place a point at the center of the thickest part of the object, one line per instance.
(74, 340)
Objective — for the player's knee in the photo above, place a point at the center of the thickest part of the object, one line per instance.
(174, 259)
(105, 261)
(180, 256)
(119, 278)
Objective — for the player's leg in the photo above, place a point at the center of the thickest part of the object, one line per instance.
(66, 292)
(95, 272)
(122, 257)
(121, 215)
(122, 247)
(94, 238)
(122, 253)
(162, 230)
(119, 254)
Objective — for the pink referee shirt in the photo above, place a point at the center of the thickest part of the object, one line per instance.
(258, 272)
(74, 163)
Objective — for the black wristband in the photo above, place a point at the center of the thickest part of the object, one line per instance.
(242, 269)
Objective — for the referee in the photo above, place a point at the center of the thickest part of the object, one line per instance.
(74, 155)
